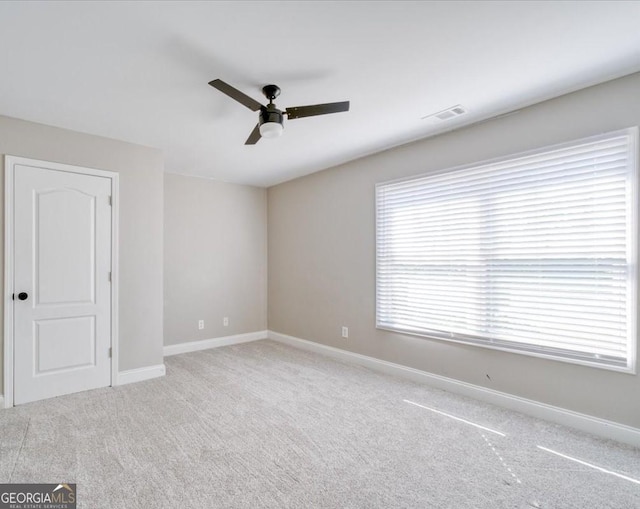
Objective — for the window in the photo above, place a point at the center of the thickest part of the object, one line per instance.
(535, 254)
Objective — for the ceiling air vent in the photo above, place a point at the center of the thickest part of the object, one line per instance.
(454, 111)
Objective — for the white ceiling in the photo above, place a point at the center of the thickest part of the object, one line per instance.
(138, 71)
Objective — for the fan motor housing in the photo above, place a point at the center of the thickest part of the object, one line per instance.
(271, 114)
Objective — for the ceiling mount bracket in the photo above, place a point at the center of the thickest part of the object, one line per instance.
(271, 92)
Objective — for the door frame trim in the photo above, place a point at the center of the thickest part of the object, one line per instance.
(9, 170)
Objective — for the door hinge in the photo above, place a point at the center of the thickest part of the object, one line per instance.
(110, 200)
(109, 277)
(110, 352)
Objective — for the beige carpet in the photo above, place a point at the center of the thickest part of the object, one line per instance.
(265, 425)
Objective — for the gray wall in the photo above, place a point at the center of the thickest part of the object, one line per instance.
(322, 257)
(141, 188)
(215, 261)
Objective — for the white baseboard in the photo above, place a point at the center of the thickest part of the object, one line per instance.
(594, 425)
(140, 374)
(205, 344)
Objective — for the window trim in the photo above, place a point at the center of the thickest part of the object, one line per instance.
(632, 253)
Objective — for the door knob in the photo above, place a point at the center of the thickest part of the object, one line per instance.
(23, 296)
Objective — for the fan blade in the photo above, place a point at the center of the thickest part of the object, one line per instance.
(316, 109)
(234, 93)
(254, 136)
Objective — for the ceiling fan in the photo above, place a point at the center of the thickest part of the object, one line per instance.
(270, 122)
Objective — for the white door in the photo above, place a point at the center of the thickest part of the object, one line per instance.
(62, 299)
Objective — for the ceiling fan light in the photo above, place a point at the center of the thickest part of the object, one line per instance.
(271, 129)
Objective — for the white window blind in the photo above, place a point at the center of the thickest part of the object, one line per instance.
(533, 254)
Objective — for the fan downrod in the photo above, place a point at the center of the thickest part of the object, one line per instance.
(271, 92)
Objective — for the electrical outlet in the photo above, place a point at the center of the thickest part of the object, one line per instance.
(225, 321)
(345, 332)
(200, 324)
